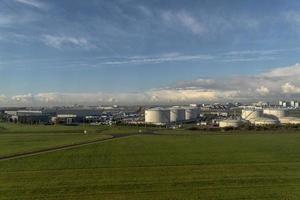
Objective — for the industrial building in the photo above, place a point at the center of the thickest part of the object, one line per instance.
(73, 116)
(294, 104)
(27, 116)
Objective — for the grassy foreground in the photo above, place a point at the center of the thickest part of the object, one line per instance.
(21, 138)
(194, 166)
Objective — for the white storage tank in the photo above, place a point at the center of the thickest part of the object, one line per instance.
(157, 116)
(251, 114)
(191, 113)
(279, 113)
(229, 123)
(289, 120)
(261, 121)
(177, 114)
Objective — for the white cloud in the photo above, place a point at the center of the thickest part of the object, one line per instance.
(163, 96)
(12, 15)
(54, 98)
(185, 20)
(263, 90)
(189, 95)
(48, 97)
(32, 3)
(290, 88)
(209, 25)
(191, 23)
(74, 63)
(24, 98)
(13, 19)
(273, 84)
(262, 52)
(248, 59)
(292, 17)
(160, 59)
(284, 72)
(146, 11)
(65, 41)
(254, 55)
(3, 98)
(6, 20)
(270, 86)
(233, 56)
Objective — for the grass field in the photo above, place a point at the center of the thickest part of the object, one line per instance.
(264, 165)
(24, 128)
(20, 138)
(11, 144)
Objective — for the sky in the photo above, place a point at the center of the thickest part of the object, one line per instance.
(57, 52)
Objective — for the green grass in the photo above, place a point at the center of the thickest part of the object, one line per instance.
(25, 128)
(21, 138)
(11, 144)
(193, 166)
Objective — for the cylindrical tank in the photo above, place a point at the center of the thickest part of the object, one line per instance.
(289, 120)
(251, 114)
(261, 121)
(229, 123)
(177, 114)
(157, 116)
(191, 113)
(279, 113)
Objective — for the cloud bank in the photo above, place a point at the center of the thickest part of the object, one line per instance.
(275, 84)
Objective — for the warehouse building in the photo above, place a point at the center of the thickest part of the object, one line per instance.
(27, 116)
(75, 116)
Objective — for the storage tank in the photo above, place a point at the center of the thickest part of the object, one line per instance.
(191, 113)
(229, 123)
(279, 113)
(157, 116)
(289, 120)
(251, 114)
(177, 114)
(261, 121)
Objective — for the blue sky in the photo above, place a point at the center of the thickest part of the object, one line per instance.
(59, 48)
